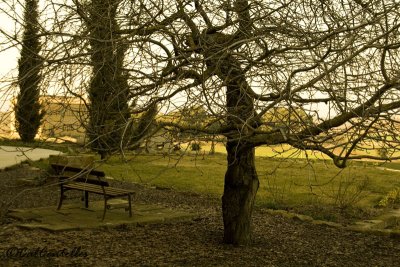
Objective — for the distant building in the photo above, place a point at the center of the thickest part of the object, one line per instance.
(64, 118)
(5, 124)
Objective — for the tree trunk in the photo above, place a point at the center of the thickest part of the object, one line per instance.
(241, 181)
(212, 150)
(240, 189)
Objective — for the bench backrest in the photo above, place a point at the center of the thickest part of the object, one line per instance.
(82, 175)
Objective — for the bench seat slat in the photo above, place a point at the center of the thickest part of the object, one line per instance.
(106, 188)
(98, 189)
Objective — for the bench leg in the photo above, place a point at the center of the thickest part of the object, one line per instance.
(86, 199)
(130, 205)
(105, 207)
(61, 197)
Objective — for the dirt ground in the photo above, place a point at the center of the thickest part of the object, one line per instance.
(277, 241)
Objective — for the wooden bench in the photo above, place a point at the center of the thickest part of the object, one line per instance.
(89, 181)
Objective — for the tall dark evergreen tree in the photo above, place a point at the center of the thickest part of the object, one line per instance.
(108, 91)
(28, 111)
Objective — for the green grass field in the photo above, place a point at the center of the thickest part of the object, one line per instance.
(304, 182)
(313, 186)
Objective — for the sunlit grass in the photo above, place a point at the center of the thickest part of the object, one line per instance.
(189, 173)
(288, 183)
(279, 151)
(288, 178)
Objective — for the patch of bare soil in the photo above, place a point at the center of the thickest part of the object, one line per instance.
(277, 241)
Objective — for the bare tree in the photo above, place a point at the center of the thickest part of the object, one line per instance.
(331, 66)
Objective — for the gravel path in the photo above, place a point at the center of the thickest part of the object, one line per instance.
(277, 241)
(13, 155)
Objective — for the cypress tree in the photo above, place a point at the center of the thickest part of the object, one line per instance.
(28, 111)
(108, 90)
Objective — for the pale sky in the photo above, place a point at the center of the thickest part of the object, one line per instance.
(8, 56)
(9, 59)
(8, 65)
